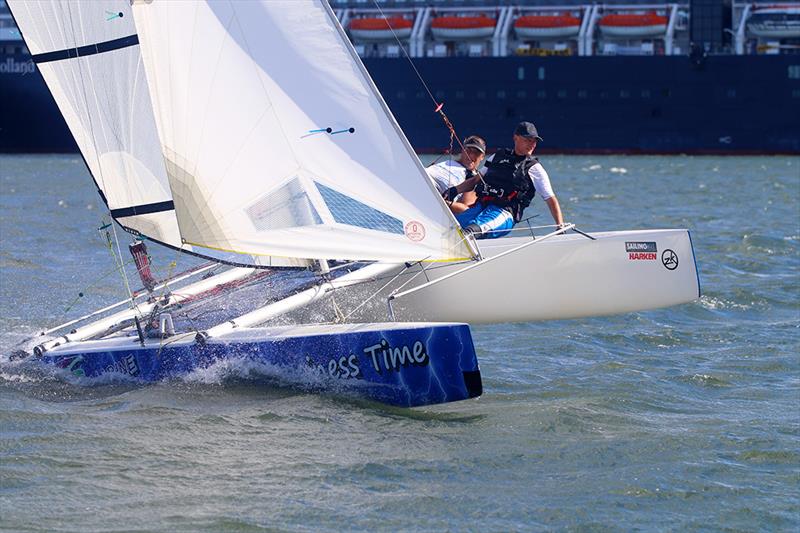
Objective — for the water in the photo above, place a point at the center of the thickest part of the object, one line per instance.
(683, 418)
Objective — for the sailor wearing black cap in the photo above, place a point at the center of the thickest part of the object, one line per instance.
(511, 180)
(450, 176)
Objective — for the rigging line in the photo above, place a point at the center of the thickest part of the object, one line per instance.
(409, 280)
(119, 261)
(170, 273)
(374, 294)
(405, 53)
(86, 289)
(134, 305)
(439, 105)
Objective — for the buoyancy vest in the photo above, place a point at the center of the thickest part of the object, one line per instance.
(507, 183)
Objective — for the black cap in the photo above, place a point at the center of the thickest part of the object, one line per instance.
(527, 130)
(473, 141)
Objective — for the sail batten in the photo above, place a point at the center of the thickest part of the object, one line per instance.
(86, 50)
(275, 141)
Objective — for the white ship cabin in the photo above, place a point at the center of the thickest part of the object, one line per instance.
(767, 28)
(474, 29)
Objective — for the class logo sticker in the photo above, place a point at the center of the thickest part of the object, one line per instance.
(415, 231)
(669, 259)
(641, 251)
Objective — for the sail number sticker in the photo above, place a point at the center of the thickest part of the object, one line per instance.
(641, 251)
(415, 231)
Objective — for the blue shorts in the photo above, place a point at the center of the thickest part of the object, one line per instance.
(493, 221)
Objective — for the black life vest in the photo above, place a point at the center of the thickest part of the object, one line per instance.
(507, 183)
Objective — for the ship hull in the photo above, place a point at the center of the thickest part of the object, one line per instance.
(661, 104)
(642, 104)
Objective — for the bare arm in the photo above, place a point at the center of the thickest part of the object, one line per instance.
(555, 210)
(458, 207)
(468, 196)
(468, 184)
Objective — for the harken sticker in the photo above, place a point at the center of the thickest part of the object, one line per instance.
(415, 231)
(669, 259)
(641, 251)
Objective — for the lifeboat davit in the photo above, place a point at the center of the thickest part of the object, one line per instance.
(627, 25)
(547, 26)
(380, 29)
(775, 22)
(462, 28)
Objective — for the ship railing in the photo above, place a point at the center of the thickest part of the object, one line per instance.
(421, 42)
(669, 38)
(507, 39)
(499, 13)
(670, 10)
(741, 36)
(346, 16)
(588, 36)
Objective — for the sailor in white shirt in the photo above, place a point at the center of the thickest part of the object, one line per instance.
(450, 175)
(512, 178)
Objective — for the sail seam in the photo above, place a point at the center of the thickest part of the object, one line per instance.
(87, 50)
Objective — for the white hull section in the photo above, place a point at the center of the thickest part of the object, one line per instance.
(547, 33)
(380, 35)
(566, 276)
(455, 34)
(518, 280)
(775, 31)
(634, 31)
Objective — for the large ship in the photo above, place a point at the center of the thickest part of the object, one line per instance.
(706, 76)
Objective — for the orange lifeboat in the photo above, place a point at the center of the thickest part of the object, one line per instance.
(380, 29)
(462, 28)
(628, 25)
(547, 26)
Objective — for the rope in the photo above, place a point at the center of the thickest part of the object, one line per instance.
(118, 261)
(124, 274)
(438, 106)
(374, 294)
(86, 289)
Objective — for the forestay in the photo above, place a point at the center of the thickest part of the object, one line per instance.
(275, 140)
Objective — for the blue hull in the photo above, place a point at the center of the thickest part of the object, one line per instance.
(404, 365)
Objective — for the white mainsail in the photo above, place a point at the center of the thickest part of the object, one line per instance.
(275, 140)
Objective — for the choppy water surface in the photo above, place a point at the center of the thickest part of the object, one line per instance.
(683, 418)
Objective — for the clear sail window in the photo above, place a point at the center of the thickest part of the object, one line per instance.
(346, 210)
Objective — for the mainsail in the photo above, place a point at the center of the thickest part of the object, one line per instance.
(275, 140)
(88, 54)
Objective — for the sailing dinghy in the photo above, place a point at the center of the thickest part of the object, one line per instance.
(249, 133)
